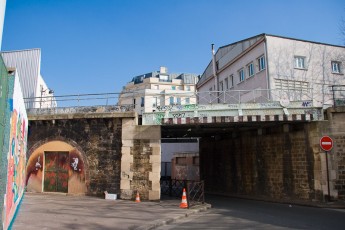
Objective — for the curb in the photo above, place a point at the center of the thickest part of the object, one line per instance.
(161, 222)
(316, 204)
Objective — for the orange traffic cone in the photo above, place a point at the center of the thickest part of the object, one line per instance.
(137, 198)
(184, 203)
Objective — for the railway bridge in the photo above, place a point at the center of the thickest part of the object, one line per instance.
(267, 150)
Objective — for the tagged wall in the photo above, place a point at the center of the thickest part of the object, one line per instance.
(72, 181)
(16, 141)
(89, 150)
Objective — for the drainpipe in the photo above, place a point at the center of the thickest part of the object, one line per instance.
(215, 72)
(267, 72)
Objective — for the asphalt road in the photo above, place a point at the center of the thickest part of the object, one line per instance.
(232, 213)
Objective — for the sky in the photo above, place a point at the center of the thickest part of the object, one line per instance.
(98, 46)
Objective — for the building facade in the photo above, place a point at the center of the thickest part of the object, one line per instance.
(268, 67)
(151, 91)
(2, 18)
(27, 64)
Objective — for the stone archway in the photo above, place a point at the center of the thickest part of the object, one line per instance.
(45, 164)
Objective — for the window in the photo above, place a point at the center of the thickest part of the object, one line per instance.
(187, 100)
(221, 86)
(134, 102)
(226, 82)
(181, 161)
(250, 69)
(241, 75)
(335, 67)
(299, 62)
(188, 87)
(178, 101)
(261, 63)
(156, 87)
(154, 101)
(231, 81)
(171, 100)
(195, 160)
(210, 89)
(173, 87)
(142, 101)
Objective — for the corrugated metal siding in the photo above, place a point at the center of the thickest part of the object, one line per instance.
(28, 65)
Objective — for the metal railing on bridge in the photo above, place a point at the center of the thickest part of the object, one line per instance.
(180, 97)
(73, 100)
(338, 95)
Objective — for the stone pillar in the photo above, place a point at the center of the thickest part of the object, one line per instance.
(141, 160)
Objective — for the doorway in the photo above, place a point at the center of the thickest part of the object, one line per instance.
(56, 172)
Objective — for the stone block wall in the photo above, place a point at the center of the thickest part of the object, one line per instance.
(141, 161)
(336, 130)
(274, 162)
(99, 139)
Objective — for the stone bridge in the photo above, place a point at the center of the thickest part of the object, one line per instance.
(89, 150)
(269, 150)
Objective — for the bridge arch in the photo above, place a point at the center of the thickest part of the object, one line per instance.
(57, 165)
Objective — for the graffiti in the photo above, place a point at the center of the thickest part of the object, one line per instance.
(267, 105)
(38, 165)
(159, 117)
(188, 107)
(306, 104)
(203, 115)
(164, 108)
(16, 154)
(178, 115)
(310, 111)
(74, 164)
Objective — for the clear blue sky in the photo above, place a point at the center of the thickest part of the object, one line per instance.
(97, 46)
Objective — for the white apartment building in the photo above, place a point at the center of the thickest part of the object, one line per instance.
(27, 64)
(151, 91)
(268, 67)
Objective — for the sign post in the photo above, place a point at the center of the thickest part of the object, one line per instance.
(326, 143)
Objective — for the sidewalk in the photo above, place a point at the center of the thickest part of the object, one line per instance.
(54, 211)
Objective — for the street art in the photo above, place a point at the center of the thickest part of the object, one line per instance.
(63, 171)
(34, 173)
(16, 155)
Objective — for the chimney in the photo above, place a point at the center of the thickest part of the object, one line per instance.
(163, 70)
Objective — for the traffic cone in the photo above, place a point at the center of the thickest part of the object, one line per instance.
(184, 203)
(137, 198)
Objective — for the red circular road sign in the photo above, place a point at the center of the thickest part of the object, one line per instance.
(326, 143)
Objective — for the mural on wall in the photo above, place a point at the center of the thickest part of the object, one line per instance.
(34, 173)
(16, 155)
(76, 180)
(61, 172)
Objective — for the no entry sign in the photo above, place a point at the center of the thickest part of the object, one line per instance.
(326, 143)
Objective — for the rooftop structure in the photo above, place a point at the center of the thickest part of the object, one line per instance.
(150, 91)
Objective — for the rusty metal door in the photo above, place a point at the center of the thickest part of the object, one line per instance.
(56, 172)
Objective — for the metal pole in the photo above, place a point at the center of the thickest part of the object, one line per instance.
(333, 96)
(329, 193)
